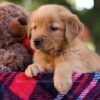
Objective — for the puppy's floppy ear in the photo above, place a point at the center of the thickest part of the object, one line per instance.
(73, 28)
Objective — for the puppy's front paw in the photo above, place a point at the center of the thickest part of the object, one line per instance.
(33, 70)
(62, 85)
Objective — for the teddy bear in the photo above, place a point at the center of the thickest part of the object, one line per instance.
(13, 29)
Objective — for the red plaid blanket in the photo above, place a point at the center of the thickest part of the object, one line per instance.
(16, 86)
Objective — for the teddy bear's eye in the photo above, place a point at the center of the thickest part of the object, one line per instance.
(53, 28)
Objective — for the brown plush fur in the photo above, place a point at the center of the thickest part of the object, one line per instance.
(13, 27)
(61, 50)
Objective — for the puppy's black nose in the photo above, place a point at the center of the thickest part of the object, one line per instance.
(38, 41)
(22, 21)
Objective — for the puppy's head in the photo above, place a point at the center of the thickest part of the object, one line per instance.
(51, 27)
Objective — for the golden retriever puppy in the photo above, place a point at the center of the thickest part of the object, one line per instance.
(53, 31)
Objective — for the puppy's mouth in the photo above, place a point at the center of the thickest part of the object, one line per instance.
(49, 51)
(44, 49)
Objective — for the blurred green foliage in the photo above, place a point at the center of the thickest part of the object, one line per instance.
(91, 18)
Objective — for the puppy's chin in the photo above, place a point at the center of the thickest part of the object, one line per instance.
(49, 51)
(43, 49)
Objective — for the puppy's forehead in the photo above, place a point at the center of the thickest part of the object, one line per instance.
(54, 8)
(44, 12)
(50, 12)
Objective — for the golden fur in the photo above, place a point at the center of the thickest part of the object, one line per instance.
(61, 51)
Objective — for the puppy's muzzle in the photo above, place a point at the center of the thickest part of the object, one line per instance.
(38, 42)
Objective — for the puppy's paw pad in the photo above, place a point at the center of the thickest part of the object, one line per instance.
(33, 70)
(62, 86)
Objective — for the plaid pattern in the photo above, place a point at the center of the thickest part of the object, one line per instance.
(16, 86)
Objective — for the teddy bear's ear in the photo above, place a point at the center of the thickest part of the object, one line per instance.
(18, 27)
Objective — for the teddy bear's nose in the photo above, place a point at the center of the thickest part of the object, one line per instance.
(22, 21)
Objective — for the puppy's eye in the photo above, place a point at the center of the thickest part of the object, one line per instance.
(34, 27)
(53, 28)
